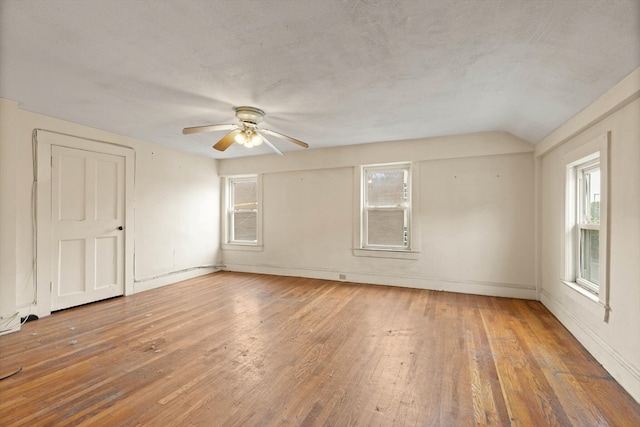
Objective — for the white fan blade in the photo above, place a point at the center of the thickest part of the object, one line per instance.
(285, 137)
(208, 128)
(273, 147)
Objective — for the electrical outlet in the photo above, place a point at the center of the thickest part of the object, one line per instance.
(343, 277)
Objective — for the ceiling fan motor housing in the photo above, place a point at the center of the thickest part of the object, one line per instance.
(249, 115)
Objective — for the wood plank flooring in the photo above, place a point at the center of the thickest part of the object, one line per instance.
(232, 349)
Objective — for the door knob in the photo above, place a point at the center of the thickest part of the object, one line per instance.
(121, 228)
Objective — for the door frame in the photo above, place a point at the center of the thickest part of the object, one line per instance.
(44, 141)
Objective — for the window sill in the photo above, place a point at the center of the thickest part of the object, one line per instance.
(241, 247)
(378, 253)
(582, 291)
(589, 301)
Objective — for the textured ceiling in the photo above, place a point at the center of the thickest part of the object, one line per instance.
(327, 72)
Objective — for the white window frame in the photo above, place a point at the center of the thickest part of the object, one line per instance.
(228, 211)
(593, 154)
(361, 247)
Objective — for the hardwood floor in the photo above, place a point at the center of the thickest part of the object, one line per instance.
(235, 349)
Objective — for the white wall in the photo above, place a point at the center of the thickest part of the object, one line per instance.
(177, 214)
(176, 208)
(9, 320)
(475, 195)
(616, 342)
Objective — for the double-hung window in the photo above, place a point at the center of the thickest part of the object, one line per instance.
(587, 228)
(386, 207)
(586, 232)
(243, 225)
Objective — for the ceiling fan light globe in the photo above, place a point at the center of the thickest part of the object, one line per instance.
(241, 138)
(255, 140)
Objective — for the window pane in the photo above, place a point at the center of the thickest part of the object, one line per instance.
(386, 228)
(592, 214)
(590, 255)
(245, 195)
(244, 226)
(386, 188)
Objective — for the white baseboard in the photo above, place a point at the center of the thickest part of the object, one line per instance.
(466, 287)
(624, 372)
(167, 279)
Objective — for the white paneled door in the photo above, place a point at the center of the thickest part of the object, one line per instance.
(87, 226)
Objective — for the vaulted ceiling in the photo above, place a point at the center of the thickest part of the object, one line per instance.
(330, 73)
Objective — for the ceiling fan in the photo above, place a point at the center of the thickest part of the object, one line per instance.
(246, 133)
